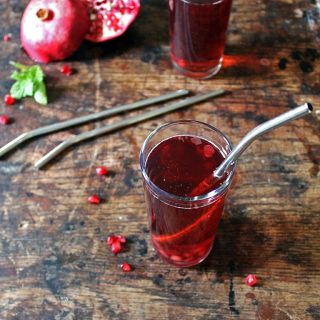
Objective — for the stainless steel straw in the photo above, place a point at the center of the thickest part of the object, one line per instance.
(257, 132)
(90, 117)
(124, 123)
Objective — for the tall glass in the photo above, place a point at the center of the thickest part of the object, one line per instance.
(183, 228)
(197, 35)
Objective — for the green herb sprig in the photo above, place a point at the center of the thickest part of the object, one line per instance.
(29, 83)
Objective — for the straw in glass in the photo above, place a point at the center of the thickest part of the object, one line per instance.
(250, 137)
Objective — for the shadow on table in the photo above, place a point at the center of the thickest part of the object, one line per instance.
(244, 244)
(239, 247)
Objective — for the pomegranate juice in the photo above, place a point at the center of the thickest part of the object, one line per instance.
(183, 236)
(197, 35)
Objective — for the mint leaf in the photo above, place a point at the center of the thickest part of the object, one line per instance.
(22, 89)
(17, 90)
(41, 94)
(17, 75)
(29, 82)
(28, 87)
(18, 65)
(37, 73)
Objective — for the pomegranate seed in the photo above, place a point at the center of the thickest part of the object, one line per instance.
(122, 239)
(9, 100)
(65, 69)
(4, 119)
(116, 247)
(115, 242)
(94, 199)
(126, 267)
(111, 240)
(208, 151)
(6, 37)
(101, 170)
(251, 280)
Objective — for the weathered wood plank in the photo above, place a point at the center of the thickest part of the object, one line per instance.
(54, 263)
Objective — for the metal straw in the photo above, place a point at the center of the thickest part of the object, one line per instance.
(84, 119)
(258, 131)
(124, 123)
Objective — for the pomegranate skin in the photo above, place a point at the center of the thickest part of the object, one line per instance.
(53, 30)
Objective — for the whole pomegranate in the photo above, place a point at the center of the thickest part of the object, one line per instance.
(53, 29)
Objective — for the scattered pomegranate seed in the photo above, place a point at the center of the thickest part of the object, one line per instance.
(65, 69)
(126, 267)
(94, 199)
(251, 280)
(115, 242)
(116, 247)
(6, 37)
(9, 100)
(4, 119)
(111, 240)
(101, 170)
(122, 239)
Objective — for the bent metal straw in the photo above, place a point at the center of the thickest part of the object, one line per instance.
(246, 141)
(124, 123)
(90, 117)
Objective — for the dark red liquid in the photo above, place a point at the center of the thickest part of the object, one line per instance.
(198, 33)
(183, 236)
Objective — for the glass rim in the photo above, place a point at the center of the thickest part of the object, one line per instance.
(161, 192)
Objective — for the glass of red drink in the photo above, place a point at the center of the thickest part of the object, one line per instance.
(175, 159)
(197, 35)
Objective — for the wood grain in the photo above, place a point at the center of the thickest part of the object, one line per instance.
(54, 262)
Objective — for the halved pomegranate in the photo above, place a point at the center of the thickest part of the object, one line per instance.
(110, 18)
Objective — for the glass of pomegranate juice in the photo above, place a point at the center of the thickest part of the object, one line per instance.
(175, 159)
(197, 35)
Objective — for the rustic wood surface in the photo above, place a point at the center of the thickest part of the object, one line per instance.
(54, 262)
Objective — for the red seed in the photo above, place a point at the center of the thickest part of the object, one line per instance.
(9, 100)
(111, 240)
(65, 69)
(251, 280)
(101, 170)
(208, 151)
(6, 37)
(126, 267)
(94, 199)
(122, 239)
(4, 119)
(116, 247)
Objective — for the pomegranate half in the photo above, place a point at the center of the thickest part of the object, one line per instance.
(53, 29)
(110, 18)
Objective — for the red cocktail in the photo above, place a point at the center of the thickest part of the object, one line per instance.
(175, 159)
(198, 34)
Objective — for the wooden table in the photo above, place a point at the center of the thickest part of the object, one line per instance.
(54, 261)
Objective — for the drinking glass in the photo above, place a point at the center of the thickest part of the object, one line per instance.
(197, 35)
(182, 228)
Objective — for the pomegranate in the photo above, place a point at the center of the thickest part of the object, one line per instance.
(110, 18)
(53, 29)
